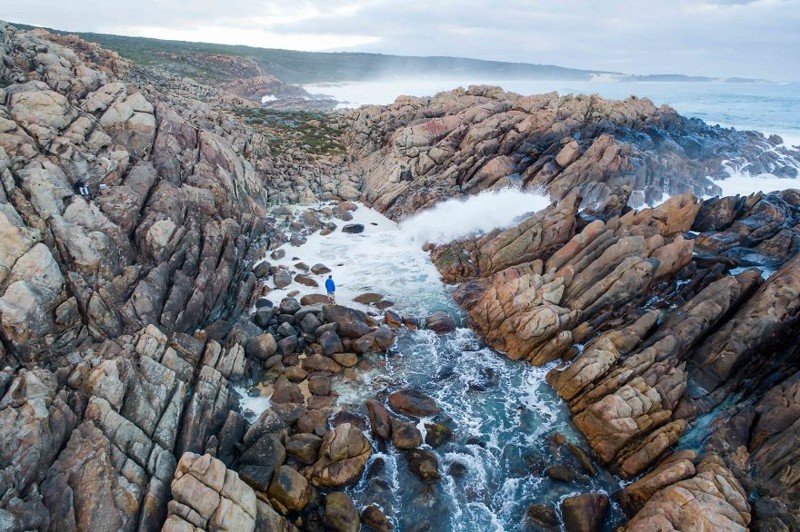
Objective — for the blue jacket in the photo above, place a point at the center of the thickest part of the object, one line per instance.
(330, 286)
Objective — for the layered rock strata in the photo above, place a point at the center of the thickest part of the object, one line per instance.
(417, 151)
(655, 331)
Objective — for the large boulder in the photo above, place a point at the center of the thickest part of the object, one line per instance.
(261, 347)
(413, 402)
(343, 455)
(206, 495)
(341, 515)
(290, 488)
(585, 513)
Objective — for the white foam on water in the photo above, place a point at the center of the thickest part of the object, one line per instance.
(378, 260)
(743, 183)
(254, 404)
(458, 218)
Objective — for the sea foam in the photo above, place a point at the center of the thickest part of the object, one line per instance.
(459, 218)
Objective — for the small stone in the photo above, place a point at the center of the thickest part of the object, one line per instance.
(282, 279)
(353, 228)
(320, 269)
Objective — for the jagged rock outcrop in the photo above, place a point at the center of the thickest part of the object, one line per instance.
(417, 151)
(206, 495)
(712, 499)
(667, 335)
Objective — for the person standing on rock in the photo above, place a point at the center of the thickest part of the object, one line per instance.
(330, 286)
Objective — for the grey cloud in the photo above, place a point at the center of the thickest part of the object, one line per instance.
(753, 38)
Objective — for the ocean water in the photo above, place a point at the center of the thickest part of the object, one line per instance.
(770, 108)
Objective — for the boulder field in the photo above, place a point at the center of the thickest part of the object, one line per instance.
(137, 215)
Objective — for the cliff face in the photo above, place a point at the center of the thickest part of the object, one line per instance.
(130, 214)
(419, 150)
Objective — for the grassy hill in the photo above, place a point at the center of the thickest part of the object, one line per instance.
(315, 67)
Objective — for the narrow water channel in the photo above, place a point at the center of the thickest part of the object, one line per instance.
(502, 413)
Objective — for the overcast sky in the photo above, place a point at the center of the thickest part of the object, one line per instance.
(748, 38)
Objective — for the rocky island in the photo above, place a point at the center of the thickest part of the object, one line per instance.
(145, 218)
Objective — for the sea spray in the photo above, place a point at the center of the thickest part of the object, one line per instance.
(459, 218)
(744, 183)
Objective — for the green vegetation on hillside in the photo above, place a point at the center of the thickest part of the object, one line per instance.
(315, 67)
(313, 131)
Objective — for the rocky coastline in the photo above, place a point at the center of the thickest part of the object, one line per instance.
(131, 313)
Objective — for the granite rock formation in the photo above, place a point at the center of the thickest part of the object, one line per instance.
(658, 318)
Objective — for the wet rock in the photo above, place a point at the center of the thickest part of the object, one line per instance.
(440, 323)
(282, 278)
(262, 317)
(289, 412)
(290, 489)
(405, 435)
(368, 298)
(583, 458)
(585, 513)
(379, 419)
(347, 416)
(543, 516)
(278, 254)
(309, 323)
(263, 302)
(286, 392)
(424, 464)
(314, 299)
(380, 339)
(343, 455)
(313, 421)
(457, 470)
(260, 460)
(564, 474)
(286, 329)
(373, 518)
(341, 514)
(320, 269)
(353, 228)
(413, 402)
(320, 363)
(351, 323)
(437, 434)
(288, 345)
(306, 280)
(320, 384)
(304, 447)
(295, 373)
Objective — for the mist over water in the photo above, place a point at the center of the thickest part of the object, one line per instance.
(766, 107)
(458, 218)
(770, 108)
